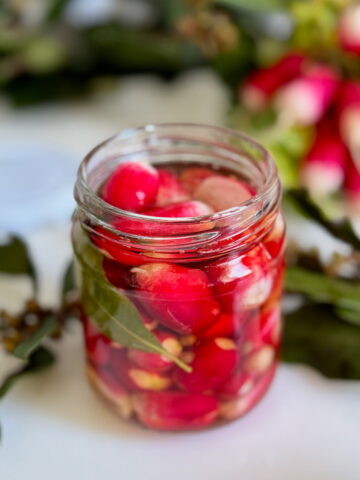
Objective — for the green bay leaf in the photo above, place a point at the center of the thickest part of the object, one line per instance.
(25, 348)
(15, 259)
(117, 317)
(109, 308)
(253, 4)
(323, 289)
(68, 284)
(317, 336)
(40, 359)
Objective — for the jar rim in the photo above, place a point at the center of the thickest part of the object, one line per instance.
(96, 203)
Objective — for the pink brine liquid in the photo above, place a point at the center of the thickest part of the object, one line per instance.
(219, 313)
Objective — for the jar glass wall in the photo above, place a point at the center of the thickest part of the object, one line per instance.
(181, 316)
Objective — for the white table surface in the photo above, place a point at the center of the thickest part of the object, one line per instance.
(54, 427)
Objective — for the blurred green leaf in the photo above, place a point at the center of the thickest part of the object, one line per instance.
(40, 359)
(125, 50)
(68, 280)
(56, 9)
(233, 65)
(27, 347)
(15, 259)
(323, 289)
(42, 55)
(264, 119)
(301, 201)
(287, 166)
(172, 11)
(28, 90)
(350, 316)
(253, 4)
(315, 335)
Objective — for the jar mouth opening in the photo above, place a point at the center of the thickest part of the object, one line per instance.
(149, 136)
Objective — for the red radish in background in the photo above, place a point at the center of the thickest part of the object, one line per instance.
(348, 95)
(305, 100)
(154, 361)
(243, 281)
(213, 362)
(132, 186)
(170, 189)
(323, 167)
(352, 187)
(222, 192)
(192, 177)
(175, 410)
(263, 83)
(112, 390)
(179, 297)
(349, 29)
(348, 110)
(134, 378)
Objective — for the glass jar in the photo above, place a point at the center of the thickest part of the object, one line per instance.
(181, 316)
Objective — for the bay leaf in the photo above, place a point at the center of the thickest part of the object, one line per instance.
(253, 5)
(316, 336)
(109, 308)
(323, 289)
(350, 316)
(25, 348)
(15, 259)
(56, 9)
(68, 284)
(40, 359)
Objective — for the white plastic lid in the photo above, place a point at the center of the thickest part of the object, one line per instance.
(36, 183)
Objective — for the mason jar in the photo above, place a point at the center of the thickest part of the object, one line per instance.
(181, 314)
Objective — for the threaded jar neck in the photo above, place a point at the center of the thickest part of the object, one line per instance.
(188, 145)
